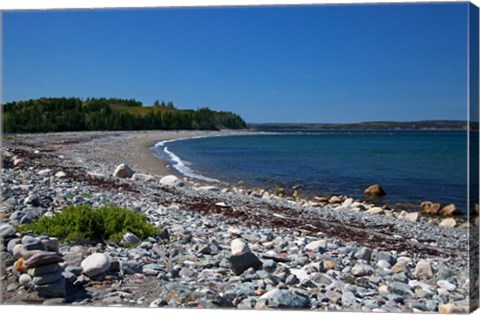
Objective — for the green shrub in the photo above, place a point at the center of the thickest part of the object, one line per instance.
(83, 223)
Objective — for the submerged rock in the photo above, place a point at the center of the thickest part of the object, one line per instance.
(374, 191)
(429, 208)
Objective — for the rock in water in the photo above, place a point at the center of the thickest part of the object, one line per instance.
(449, 210)
(123, 171)
(171, 181)
(95, 264)
(242, 258)
(429, 208)
(374, 191)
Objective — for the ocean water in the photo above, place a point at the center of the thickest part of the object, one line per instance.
(411, 166)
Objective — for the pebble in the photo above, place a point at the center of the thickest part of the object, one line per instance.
(444, 284)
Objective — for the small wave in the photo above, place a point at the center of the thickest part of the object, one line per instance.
(180, 165)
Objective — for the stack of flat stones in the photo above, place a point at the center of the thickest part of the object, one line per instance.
(37, 265)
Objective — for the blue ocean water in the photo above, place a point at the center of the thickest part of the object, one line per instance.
(412, 166)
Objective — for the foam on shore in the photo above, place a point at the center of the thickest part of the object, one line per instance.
(180, 165)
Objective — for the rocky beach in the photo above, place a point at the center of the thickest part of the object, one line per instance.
(223, 246)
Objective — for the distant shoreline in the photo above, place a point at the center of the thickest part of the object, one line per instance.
(373, 125)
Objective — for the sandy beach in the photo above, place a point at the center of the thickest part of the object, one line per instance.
(133, 148)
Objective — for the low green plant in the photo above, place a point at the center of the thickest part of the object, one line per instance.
(84, 223)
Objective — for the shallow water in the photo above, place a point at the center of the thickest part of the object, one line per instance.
(412, 166)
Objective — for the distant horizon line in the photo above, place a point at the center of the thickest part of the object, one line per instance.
(361, 122)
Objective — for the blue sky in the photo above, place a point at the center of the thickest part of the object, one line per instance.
(324, 63)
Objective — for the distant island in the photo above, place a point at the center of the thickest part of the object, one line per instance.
(97, 114)
(374, 125)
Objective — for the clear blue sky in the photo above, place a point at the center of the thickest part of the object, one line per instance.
(324, 63)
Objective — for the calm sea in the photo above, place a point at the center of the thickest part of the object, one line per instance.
(411, 166)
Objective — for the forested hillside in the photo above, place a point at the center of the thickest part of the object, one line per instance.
(74, 114)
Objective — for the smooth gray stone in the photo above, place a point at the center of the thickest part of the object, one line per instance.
(387, 257)
(35, 245)
(282, 298)
(44, 269)
(6, 231)
(54, 301)
(364, 253)
(47, 278)
(11, 244)
(54, 289)
(269, 265)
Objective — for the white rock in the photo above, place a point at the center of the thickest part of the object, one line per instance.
(448, 223)
(384, 264)
(123, 171)
(24, 280)
(171, 181)
(234, 231)
(208, 188)
(348, 202)
(95, 264)
(423, 269)
(60, 174)
(142, 177)
(375, 210)
(239, 247)
(316, 246)
(444, 284)
(44, 172)
(301, 274)
(412, 216)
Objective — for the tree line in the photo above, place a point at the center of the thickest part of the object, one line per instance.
(74, 114)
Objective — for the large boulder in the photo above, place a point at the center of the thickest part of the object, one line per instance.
(53, 289)
(95, 264)
(242, 258)
(374, 191)
(123, 171)
(171, 181)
